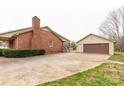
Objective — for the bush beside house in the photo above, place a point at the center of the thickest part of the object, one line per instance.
(1, 50)
(73, 45)
(15, 53)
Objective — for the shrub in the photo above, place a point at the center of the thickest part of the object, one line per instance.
(1, 52)
(15, 53)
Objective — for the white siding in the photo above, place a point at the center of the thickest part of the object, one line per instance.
(94, 40)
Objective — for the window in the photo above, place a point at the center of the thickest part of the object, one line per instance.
(51, 43)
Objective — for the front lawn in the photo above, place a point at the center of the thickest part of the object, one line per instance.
(107, 74)
(118, 56)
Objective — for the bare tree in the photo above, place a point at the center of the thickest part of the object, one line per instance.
(121, 10)
(113, 27)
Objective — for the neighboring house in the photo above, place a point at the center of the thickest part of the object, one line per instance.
(35, 37)
(95, 44)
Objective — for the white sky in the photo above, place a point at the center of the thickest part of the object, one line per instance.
(73, 19)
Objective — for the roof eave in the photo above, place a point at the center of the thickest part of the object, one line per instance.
(8, 38)
(96, 36)
(4, 39)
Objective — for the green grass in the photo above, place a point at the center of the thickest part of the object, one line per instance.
(104, 75)
(118, 56)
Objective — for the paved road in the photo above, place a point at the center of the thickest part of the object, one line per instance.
(40, 69)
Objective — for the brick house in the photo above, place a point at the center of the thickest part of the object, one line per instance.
(35, 37)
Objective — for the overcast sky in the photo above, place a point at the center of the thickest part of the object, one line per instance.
(73, 20)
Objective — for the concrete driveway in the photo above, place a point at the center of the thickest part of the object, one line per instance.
(40, 69)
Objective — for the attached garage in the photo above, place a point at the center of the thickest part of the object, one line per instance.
(95, 44)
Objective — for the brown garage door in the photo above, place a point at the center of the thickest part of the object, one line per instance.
(102, 48)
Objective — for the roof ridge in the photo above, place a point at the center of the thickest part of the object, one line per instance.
(18, 30)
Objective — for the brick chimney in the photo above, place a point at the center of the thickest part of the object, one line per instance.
(35, 24)
(36, 38)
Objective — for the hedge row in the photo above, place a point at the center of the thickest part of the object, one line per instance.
(1, 50)
(15, 53)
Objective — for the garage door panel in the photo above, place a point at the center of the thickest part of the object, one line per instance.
(102, 48)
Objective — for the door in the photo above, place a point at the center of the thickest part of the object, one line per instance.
(101, 48)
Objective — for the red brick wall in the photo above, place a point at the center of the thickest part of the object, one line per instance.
(11, 44)
(41, 38)
(23, 41)
(48, 36)
(41, 41)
